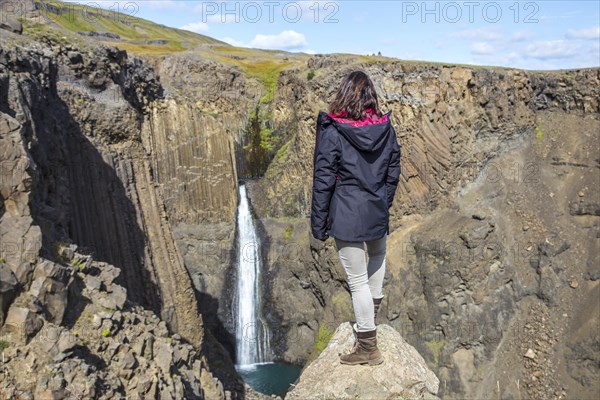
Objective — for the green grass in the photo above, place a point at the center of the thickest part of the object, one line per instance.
(4, 344)
(323, 337)
(134, 32)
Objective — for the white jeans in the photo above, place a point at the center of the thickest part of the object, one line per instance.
(365, 279)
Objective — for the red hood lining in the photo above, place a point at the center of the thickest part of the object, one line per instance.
(371, 119)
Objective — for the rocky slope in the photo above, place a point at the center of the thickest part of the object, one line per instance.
(98, 345)
(403, 374)
(76, 133)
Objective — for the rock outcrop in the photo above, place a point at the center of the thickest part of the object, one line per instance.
(403, 374)
(72, 124)
(104, 347)
(76, 168)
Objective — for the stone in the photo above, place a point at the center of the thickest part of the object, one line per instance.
(66, 342)
(92, 282)
(9, 286)
(50, 287)
(529, 354)
(109, 273)
(163, 355)
(115, 297)
(403, 374)
(573, 283)
(96, 321)
(23, 323)
(128, 360)
(11, 24)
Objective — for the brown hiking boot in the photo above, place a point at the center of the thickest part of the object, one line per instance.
(366, 351)
(376, 304)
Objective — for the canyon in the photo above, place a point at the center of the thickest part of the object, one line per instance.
(135, 162)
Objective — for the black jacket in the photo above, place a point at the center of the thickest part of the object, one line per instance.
(356, 172)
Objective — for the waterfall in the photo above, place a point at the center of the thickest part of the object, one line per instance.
(252, 336)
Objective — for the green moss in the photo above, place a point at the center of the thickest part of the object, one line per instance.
(260, 142)
(539, 131)
(435, 347)
(217, 363)
(282, 151)
(4, 344)
(323, 337)
(2, 260)
(106, 333)
(287, 233)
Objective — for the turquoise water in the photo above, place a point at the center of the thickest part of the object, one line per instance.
(270, 378)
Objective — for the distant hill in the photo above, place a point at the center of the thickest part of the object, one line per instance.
(122, 29)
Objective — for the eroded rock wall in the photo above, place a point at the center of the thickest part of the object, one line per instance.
(496, 189)
(73, 119)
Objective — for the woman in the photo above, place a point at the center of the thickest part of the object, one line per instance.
(356, 172)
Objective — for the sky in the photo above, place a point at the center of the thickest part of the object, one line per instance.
(536, 35)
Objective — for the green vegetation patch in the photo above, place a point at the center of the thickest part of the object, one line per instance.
(435, 347)
(323, 337)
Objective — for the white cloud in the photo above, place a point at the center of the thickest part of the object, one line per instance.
(233, 42)
(286, 40)
(552, 49)
(480, 33)
(197, 27)
(589, 33)
(521, 36)
(482, 48)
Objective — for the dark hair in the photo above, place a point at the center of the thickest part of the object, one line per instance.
(355, 95)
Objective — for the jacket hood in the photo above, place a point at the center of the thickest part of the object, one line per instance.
(368, 138)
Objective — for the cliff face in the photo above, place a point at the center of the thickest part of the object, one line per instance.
(77, 134)
(493, 225)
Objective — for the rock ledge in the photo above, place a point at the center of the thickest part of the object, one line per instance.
(404, 373)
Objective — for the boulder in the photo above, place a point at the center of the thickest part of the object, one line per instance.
(11, 24)
(49, 286)
(22, 323)
(8, 290)
(403, 374)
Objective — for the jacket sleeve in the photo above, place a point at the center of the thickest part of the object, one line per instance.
(393, 171)
(326, 157)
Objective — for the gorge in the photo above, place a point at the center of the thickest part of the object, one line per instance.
(124, 156)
